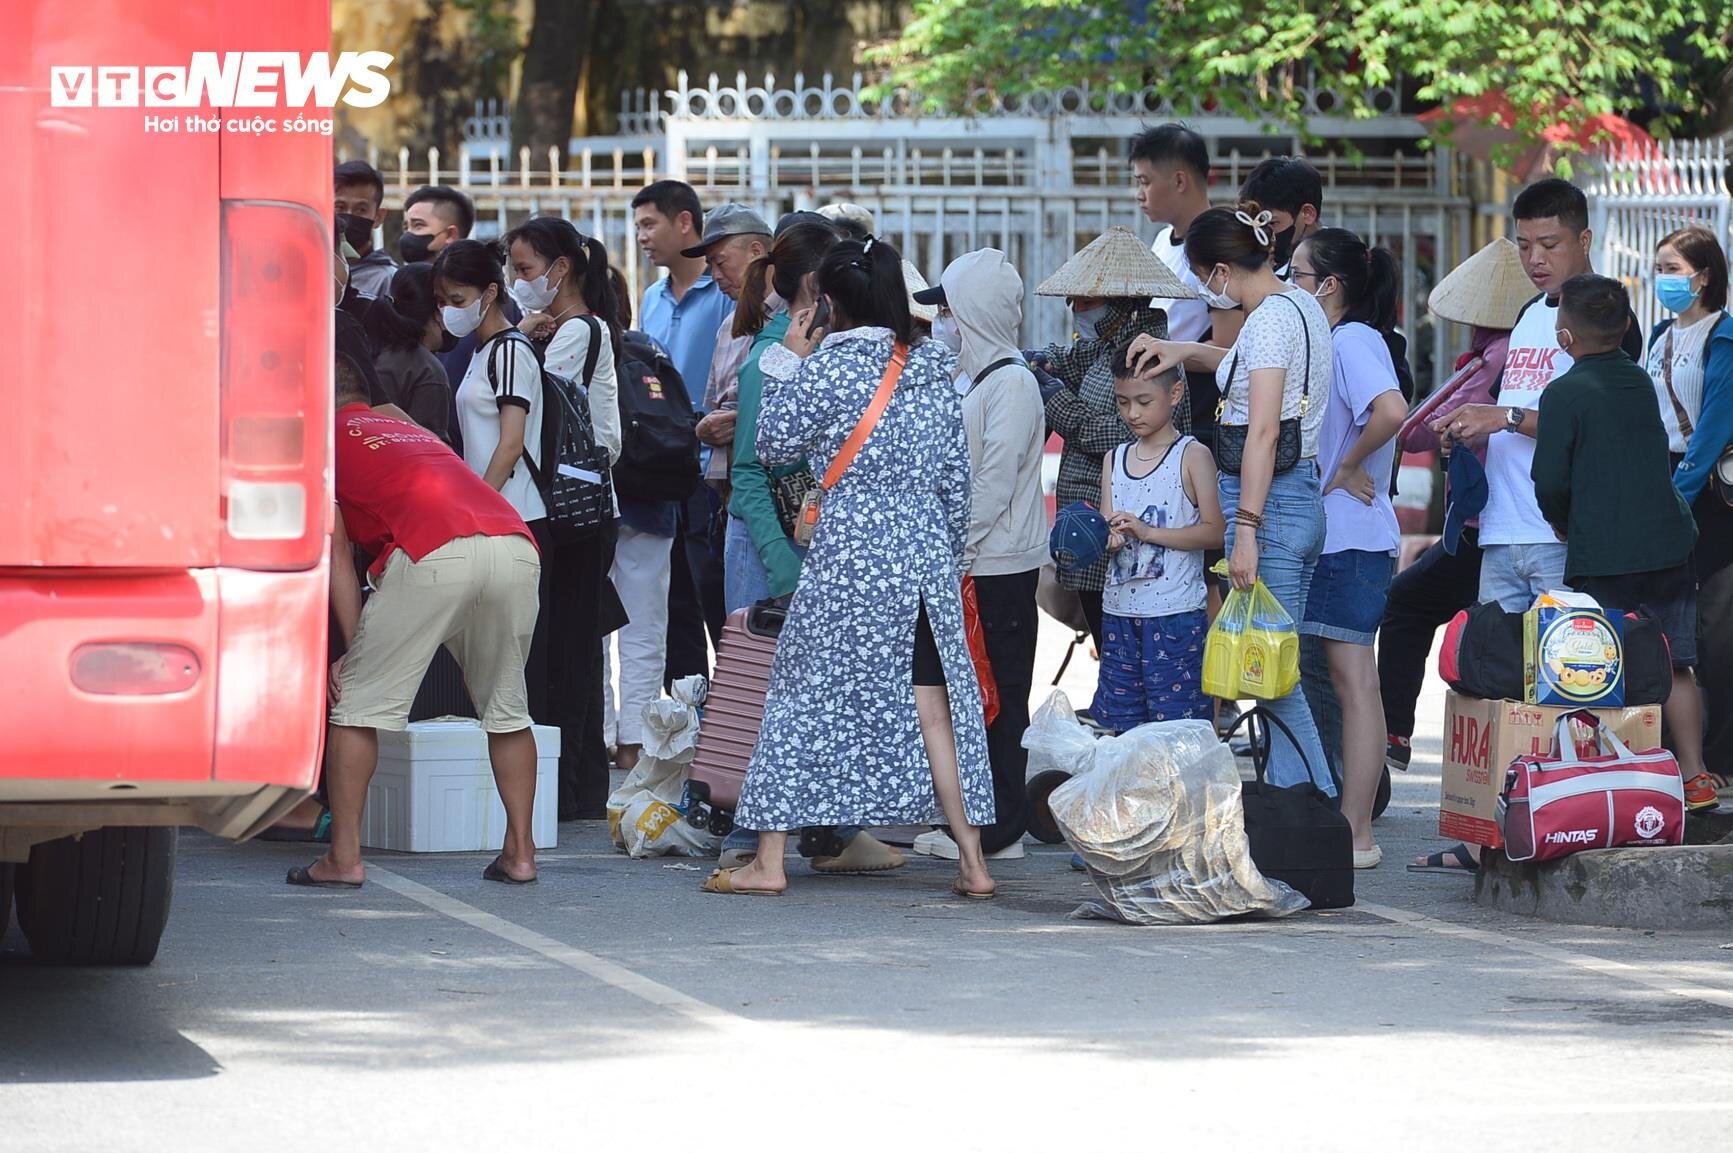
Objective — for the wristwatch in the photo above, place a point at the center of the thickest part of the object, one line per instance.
(1513, 418)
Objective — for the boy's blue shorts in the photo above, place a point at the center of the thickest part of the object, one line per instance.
(1151, 670)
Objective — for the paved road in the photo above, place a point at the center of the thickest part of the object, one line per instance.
(616, 1003)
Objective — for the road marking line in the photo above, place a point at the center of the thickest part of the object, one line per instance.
(603, 970)
(1598, 965)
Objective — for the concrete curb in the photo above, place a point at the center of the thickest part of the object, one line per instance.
(1688, 887)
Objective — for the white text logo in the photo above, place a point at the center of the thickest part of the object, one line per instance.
(1573, 837)
(229, 80)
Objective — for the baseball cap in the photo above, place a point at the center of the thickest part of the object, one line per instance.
(1079, 537)
(728, 219)
(933, 295)
(1467, 495)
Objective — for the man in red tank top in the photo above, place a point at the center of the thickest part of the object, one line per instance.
(453, 564)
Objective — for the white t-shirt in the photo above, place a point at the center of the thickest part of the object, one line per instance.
(1687, 346)
(1186, 319)
(1535, 360)
(1146, 580)
(565, 356)
(1277, 335)
(519, 378)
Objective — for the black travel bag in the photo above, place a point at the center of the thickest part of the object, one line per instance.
(1297, 834)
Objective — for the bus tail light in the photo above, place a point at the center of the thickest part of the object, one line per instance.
(276, 384)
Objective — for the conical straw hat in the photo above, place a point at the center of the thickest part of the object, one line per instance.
(1116, 264)
(917, 283)
(1487, 290)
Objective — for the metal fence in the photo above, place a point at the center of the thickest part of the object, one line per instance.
(1636, 199)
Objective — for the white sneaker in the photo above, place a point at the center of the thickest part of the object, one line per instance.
(938, 843)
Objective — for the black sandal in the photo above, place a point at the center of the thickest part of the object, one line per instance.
(1435, 861)
(494, 873)
(303, 875)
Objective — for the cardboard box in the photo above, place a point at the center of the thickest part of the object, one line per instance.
(1481, 738)
(434, 793)
(1573, 654)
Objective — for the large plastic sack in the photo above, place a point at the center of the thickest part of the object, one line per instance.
(1253, 649)
(647, 813)
(1157, 818)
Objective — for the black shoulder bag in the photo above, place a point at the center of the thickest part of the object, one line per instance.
(1231, 438)
(1297, 835)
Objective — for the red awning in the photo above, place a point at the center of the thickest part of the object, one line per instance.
(1480, 125)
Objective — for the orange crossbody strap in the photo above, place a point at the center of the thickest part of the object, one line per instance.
(881, 400)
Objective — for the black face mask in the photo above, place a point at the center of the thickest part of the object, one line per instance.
(1284, 246)
(415, 247)
(357, 230)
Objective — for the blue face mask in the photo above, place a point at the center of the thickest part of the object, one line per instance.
(1673, 290)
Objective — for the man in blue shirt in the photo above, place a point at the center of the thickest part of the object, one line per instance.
(684, 311)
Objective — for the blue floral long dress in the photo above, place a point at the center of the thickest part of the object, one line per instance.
(841, 741)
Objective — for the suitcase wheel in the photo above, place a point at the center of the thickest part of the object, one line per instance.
(721, 822)
(699, 816)
(1041, 822)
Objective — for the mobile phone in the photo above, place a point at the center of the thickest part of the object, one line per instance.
(820, 317)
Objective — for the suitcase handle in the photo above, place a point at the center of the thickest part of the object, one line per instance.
(766, 618)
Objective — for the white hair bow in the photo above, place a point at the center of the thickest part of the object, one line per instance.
(1259, 226)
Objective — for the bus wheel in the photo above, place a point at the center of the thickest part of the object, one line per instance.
(99, 899)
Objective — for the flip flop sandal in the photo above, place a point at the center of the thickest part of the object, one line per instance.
(957, 888)
(722, 881)
(494, 873)
(303, 875)
(1435, 861)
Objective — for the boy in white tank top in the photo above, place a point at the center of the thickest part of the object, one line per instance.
(1159, 496)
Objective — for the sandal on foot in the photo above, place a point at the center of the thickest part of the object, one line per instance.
(958, 888)
(303, 875)
(1368, 858)
(864, 853)
(493, 872)
(1435, 862)
(722, 881)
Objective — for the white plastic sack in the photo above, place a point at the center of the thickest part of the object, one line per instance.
(1157, 818)
(647, 813)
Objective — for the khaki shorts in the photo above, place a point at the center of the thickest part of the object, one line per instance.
(475, 595)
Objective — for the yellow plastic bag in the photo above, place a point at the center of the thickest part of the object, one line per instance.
(1253, 649)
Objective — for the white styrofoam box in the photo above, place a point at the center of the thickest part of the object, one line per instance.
(433, 791)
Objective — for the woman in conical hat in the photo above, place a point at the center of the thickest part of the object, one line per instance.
(1484, 292)
(1108, 286)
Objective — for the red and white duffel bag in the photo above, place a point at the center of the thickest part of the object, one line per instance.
(1563, 803)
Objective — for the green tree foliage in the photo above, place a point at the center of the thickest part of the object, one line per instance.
(1556, 61)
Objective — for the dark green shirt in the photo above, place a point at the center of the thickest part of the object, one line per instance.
(1602, 476)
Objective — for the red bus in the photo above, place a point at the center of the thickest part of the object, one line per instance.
(164, 461)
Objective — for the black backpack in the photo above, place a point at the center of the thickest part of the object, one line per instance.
(658, 427)
(578, 489)
(1482, 656)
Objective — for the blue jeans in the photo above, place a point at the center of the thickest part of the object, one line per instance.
(744, 581)
(1514, 574)
(1288, 549)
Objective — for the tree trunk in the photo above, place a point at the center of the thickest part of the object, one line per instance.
(548, 90)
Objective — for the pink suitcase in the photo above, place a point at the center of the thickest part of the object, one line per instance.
(734, 709)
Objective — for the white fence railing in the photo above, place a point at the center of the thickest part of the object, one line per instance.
(1636, 199)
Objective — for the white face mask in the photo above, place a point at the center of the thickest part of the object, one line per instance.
(1087, 319)
(535, 295)
(460, 322)
(1219, 300)
(946, 332)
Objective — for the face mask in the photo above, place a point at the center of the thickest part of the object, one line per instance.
(415, 247)
(1087, 319)
(1218, 300)
(946, 332)
(1319, 293)
(1673, 290)
(460, 322)
(535, 295)
(357, 230)
(1284, 246)
(1565, 340)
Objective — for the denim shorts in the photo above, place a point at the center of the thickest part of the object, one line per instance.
(1349, 589)
(1669, 596)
